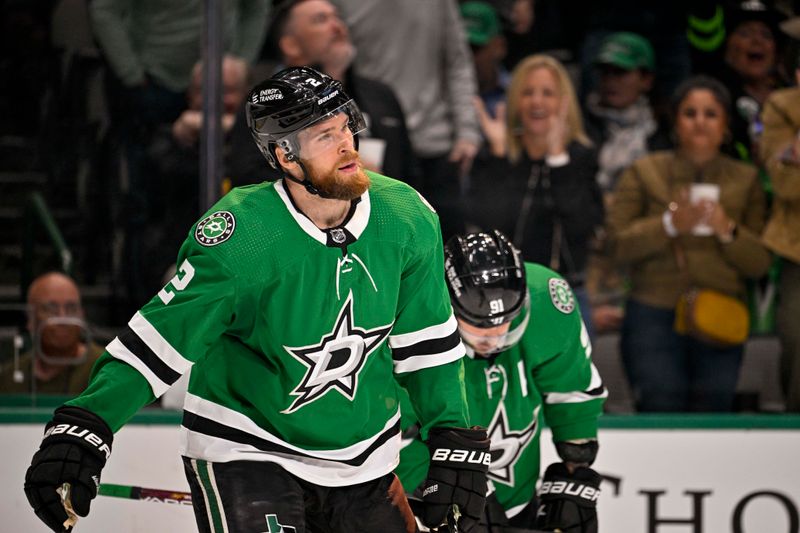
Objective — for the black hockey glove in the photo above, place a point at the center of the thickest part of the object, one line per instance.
(74, 450)
(568, 502)
(456, 476)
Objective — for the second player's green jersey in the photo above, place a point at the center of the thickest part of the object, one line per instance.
(297, 337)
(549, 372)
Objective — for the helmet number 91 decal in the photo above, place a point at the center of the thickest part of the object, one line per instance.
(496, 306)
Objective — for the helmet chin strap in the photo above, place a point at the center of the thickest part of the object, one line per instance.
(305, 182)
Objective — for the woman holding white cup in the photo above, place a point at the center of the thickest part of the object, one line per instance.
(684, 220)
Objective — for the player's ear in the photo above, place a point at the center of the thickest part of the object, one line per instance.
(286, 161)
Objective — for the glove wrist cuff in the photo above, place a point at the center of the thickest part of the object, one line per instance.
(578, 453)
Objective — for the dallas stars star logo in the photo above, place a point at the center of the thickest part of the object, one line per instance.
(334, 363)
(215, 228)
(507, 446)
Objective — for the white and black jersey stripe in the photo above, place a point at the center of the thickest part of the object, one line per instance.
(143, 347)
(432, 346)
(218, 434)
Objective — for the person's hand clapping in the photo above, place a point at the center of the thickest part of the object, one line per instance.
(494, 128)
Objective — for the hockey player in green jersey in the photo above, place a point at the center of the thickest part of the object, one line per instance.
(299, 305)
(528, 354)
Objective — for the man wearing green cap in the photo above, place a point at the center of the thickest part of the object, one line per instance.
(621, 123)
(628, 51)
(620, 119)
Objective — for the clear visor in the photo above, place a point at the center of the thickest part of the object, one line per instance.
(325, 134)
(488, 344)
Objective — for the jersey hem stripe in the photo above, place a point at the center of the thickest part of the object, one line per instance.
(233, 419)
(325, 473)
(205, 426)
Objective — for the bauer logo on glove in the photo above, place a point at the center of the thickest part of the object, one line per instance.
(568, 499)
(80, 433)
(455, 489)
(570, 488)
(461, 456)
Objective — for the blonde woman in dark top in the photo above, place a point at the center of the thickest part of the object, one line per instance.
(539, 187)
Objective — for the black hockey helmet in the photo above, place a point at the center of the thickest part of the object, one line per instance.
(486, 278)
(292, 100)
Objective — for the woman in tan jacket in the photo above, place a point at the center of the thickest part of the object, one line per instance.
(686, 218)
(780, 148)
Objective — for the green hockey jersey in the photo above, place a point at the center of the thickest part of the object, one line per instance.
(549, 370)
(297, 337)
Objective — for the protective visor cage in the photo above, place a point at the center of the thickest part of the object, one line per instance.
(492, 344)
(318, 137)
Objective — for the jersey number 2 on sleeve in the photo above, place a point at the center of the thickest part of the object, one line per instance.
(178, 282)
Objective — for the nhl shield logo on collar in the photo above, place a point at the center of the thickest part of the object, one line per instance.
(338, 235)
(215, 228)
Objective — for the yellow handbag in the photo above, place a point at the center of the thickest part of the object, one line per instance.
(712, 317)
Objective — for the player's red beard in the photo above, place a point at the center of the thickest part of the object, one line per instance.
(332, 183)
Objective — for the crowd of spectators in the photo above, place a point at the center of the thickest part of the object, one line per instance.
(639, 149)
